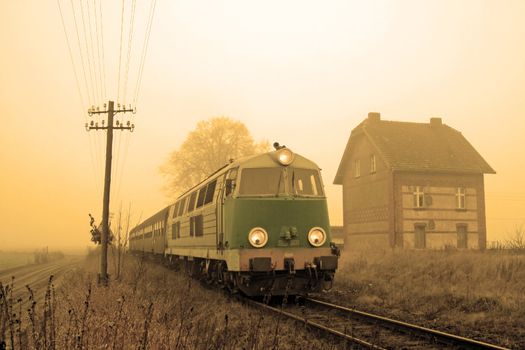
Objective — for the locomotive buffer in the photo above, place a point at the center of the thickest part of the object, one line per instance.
(111, 111)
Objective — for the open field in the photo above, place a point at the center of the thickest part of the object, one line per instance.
(470, 293)
(14, 259)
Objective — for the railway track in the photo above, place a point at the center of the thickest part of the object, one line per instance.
(36, 277)
(365, 330)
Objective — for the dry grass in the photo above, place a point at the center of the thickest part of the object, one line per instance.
(149, 307)
(476, 294)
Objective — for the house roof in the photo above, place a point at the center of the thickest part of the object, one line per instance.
(405, 146)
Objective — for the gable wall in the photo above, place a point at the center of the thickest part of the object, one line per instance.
(366, 199)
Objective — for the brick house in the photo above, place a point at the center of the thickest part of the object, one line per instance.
(412, 185)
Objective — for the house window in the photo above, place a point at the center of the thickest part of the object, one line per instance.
(357, 168)
(419, 197)
(460, 198)
(373, 164)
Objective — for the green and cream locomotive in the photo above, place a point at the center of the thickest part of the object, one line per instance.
(259, 225)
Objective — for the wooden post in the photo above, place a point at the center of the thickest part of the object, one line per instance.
(103, 277)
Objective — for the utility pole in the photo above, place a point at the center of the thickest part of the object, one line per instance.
(111, 111)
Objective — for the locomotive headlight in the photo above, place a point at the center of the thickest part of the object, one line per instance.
(317, 236)
(285, 156)
(258, 237)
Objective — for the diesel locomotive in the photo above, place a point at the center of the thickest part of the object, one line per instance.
(258, 225)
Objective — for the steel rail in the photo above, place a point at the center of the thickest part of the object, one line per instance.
(443, 337)
(313, 324)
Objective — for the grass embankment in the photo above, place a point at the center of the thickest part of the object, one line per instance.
(149, 307)
(471, 293)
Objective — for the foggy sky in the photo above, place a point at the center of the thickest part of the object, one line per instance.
(303, 73)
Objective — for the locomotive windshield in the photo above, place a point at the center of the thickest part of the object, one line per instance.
(306, 182)
(271, 181)
(262, 181)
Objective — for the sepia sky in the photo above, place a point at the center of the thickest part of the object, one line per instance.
(303, 73)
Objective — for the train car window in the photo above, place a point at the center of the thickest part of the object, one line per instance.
(175, 230)
(176, 209)
(262, 181)
(191, 204)
(199, 226)
(306, 182)
(182, 205)
(192, 226)
(210, 191)
(230, 181)
(202, 195)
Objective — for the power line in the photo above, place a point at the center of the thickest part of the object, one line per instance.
(81, 54)
(145, 51)
(87, 53)
(79, 90)
(120, 51)
(103, 56)
(92, 51)
(98, 50)
(130, 42)
(71, 56)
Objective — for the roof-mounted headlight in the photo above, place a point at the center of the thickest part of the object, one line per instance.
(317, 236)
(285, 156)
(258, 237)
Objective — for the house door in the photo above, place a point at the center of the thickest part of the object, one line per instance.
(420, 240)
(462, 236)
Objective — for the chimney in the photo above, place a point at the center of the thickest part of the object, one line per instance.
(435, 122)
(374, 116)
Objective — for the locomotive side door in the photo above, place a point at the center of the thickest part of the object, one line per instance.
(219, 237)
(225, 191)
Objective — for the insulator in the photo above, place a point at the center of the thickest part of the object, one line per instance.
(129, 122)
(92, 122)
(103, 122)
(118, 123)
(96, 124)
(98, 109)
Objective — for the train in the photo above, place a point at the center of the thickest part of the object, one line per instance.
(259, 226)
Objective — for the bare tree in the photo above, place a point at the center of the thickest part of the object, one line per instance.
(211, 145)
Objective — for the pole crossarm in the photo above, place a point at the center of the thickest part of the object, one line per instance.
(130, 128)
(92, 111)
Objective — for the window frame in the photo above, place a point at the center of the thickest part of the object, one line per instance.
(210, 192)
(373, 164)
(201, 196)
(357, 168)
(182, 206)
(419, 198)
(461, 198)
(191, 202)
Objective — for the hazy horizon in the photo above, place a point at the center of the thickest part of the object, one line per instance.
(303, 73)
